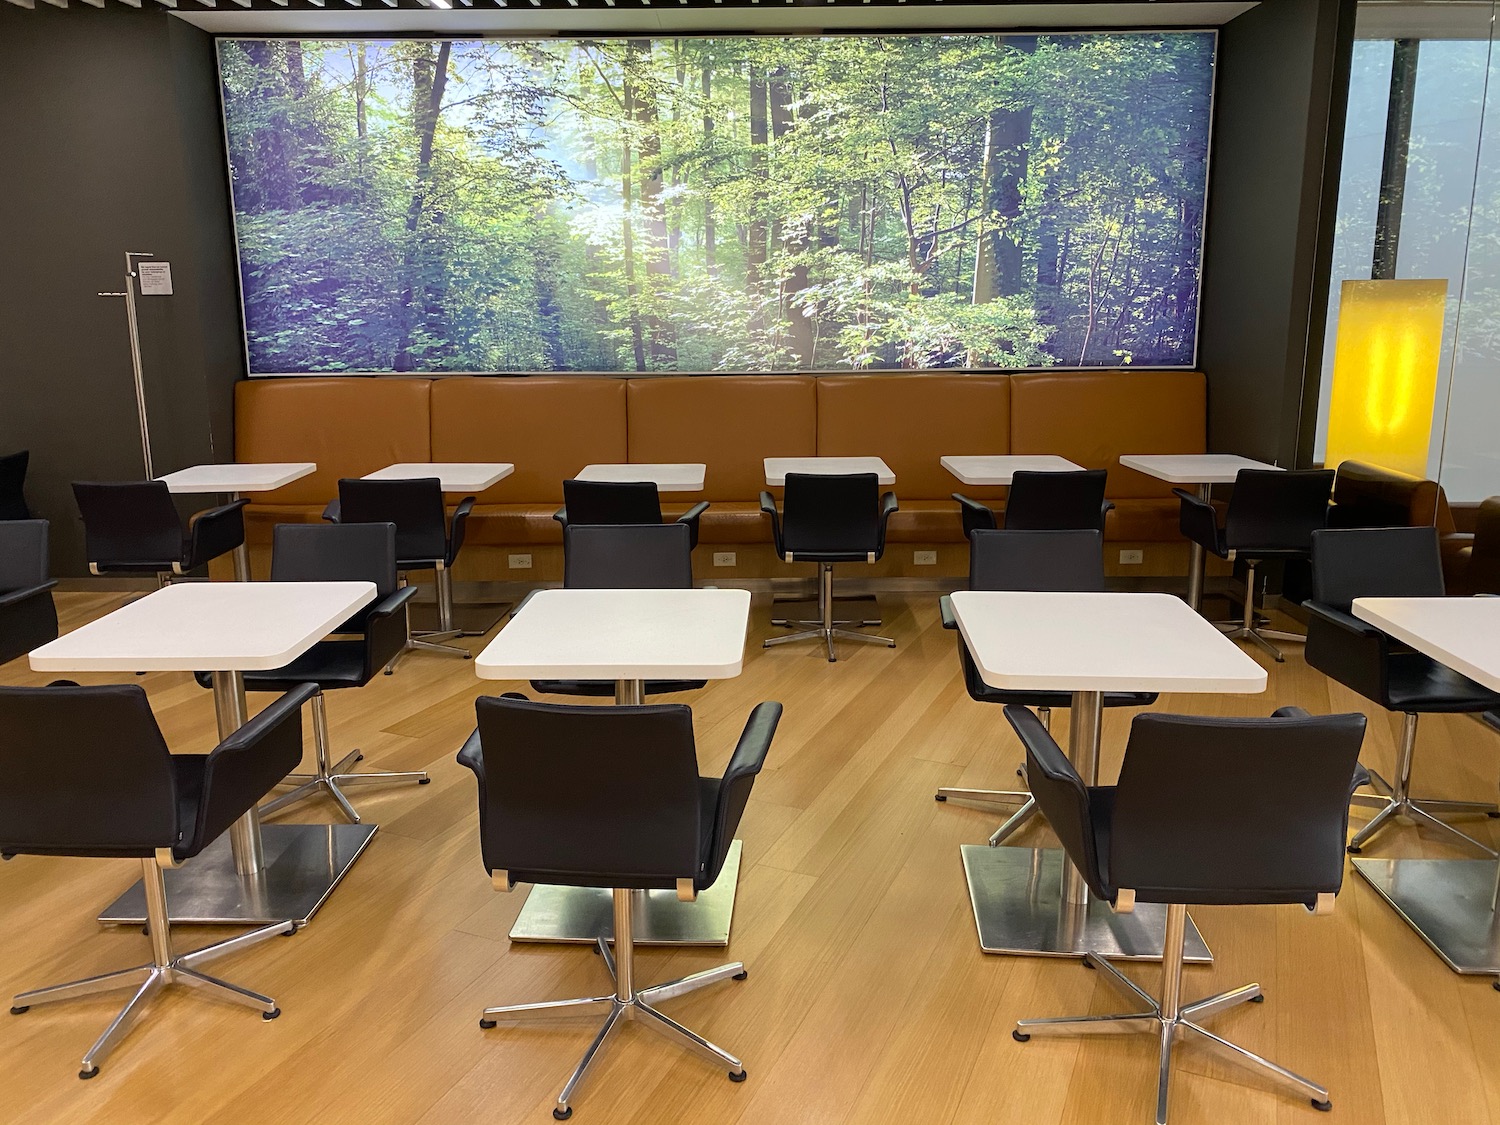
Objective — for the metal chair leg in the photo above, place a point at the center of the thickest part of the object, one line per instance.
(826, 629)
(1248, 628)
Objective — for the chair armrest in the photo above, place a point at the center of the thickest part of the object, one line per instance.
(470, 756)
(215, 532)
(734, 788)
(1200, 523)
(945, 608)
(1348, 650)
(246, 766)
(456, 528)
(1338, 618)
(26, 593)
(768, 507)
(332, 511)
(1291, 713)
(888, 505)
(1104, 510)
(387, 629)
(561, 515)
(691, 517)
(974, 515)
(520, 605)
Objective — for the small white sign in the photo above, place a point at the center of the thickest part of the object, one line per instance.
(155, 278)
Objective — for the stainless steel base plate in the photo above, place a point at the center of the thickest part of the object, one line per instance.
(1018, 908)
(1448, 903)
(581, 915)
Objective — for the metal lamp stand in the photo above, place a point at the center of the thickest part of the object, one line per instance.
(135, 354)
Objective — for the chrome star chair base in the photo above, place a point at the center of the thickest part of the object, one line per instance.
(1395, 802)
(1248, 628)
(1171, 1021)
(1018, 819)
(627, 1003)
(165, 968)
(329, 780)
(825, 629)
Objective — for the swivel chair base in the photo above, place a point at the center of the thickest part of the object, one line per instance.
(1018, 819)
(1248, 627)
(165, 968)
(329, 779)
(627, 1003)
(1396, 801)
(825, 629)
(1170, 1021)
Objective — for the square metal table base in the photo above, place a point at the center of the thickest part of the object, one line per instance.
(1018, 908)
(303, 863)
(861, 610)
(582, 915)
(471, 619)
(1448, 903)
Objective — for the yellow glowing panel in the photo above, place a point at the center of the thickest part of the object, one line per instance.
(1385, 370)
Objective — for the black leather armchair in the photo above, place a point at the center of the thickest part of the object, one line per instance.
(28, 616)
(1389, 562)
(1164, 834)
(13, 504)
(1271, 516)
(132, 527)
(361, 647)
(624, 557)
(88, 774)
(1044, 501)
(425, 538)
(620, 502)
(828, 519)
(1068, 561)
(610, 797)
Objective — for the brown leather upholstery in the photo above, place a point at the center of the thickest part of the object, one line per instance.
(348, 426)
(1370, 496)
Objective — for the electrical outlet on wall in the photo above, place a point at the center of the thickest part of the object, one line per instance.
(1132, 558)
(724, 558)
(924, 558)
(520, 562)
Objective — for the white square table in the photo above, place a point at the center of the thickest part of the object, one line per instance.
(666, 477)
(259, 875)
(997, 470)
(1451, 903)
(1204, 470)
(628, 636)
(778, 467)
(1034, 901)
(234, 480)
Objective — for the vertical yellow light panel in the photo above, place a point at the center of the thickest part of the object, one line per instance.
(1385, 370)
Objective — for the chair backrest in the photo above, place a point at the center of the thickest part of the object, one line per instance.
(1383, 562)
(341, 552)
(1056, 501)
(414, 506)
(588, 796)
(23, 554)
(831, 512)
(1044, 561)
(129, 523)
(627, 556)
(13, 486)
(1483, 575)
(616, 502)
(1281, 840)
(86, 773)
(1277, 510)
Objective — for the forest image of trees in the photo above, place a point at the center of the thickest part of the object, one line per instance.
(720, 204)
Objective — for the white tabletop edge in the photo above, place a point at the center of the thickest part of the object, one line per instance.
(1384, 614)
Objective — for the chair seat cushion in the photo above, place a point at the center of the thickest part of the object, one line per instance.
(1419, 684)
(605, 689)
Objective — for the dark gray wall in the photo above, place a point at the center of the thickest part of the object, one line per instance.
(1279, 118)
(110, 141)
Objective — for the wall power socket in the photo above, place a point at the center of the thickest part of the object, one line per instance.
(520, 562)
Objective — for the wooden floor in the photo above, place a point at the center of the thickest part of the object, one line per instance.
(868, 998)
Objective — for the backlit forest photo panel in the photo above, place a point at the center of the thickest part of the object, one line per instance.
(720, 204)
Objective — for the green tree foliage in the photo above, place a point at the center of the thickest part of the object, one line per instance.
(856, 202)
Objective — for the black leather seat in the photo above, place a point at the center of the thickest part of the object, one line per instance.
(13, 504)
(1067, 561)
(88, 774)
(1271, 516)
(28, 616)
(827, 519)
(1043, 502)
(584, 796)
(425, 538)
(366, 643)
(620, 502)
(132, 527)
(624, 557)
(1388, 562)
(1165, 834)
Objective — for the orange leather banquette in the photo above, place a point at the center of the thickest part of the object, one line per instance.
(551, 426)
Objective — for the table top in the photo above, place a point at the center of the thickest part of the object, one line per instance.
(621, 635)
(208, 626)
(1463, 633)
(1100, 642)
(1192, 468)
(237, 477)
(455, 476)
(667, 478)
(778, 467)
(997, 470)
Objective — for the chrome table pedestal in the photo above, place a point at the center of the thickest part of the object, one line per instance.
(1449, 902)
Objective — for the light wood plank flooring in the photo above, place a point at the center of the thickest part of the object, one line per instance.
(868, 999)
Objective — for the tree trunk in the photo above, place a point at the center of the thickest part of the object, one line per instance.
(627, 172)
(1007, 136)
(429, 82)
(662, 349)
(709, 253)
(756, 251)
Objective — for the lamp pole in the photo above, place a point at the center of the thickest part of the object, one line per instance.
(135, 354)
